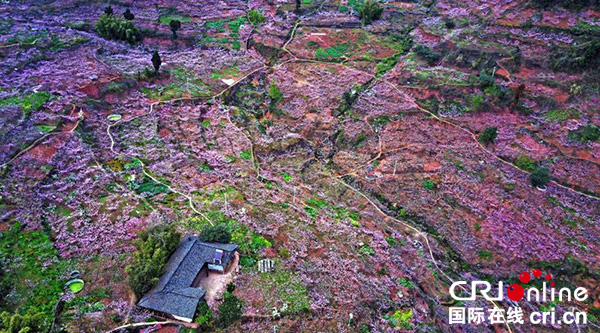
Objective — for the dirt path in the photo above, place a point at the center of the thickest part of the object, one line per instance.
(215, 283)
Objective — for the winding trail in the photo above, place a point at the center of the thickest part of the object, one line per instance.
(40, 139)
(256, 164)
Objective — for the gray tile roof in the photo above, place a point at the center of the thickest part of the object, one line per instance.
(173, 293)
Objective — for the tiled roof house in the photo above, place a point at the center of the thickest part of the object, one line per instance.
(178, 291)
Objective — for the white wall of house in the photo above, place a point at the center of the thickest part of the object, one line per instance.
(187, 320)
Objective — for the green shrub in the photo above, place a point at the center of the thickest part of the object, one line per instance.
(525, 162)
(153, 248)
(585, 134)
(370, 11)
(428, 184)
(486, 79)
(401, 318)
(246, 155)
(488, 135)
(218, 233)
(477, 102)
(386, 64)
(427, 54)
(204, 317)
(258, 242)
(366, 250)
(485, 255)
(111, 27)
(539, 177)
(255, 17)
(275, 93)
(230, 310)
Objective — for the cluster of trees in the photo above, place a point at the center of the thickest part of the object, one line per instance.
(539, 177)
(370, 11)
(21, 323)
(585, 134)
(427, 54)
(229, 311)
(255, 17)
(153, 248)
(578, 56)
(111, 27)
(218, 233)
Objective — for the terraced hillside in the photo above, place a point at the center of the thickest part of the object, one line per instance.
(374, 163)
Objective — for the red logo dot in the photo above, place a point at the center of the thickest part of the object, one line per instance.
(548, 277)
(524, 277)
(515, 292)
(537, 272)
(552, 284)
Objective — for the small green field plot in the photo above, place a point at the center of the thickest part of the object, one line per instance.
(149, 187)
(226, 72)
(29, 102)
(558, 115)
(355, 44)
(167, 14)
(45, 128)
(184, 83)
(282, 290)
(224, 32)
(336, 51)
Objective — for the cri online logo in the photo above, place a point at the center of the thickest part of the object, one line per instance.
(515, 292)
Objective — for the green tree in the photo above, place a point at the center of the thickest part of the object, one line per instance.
(204, 317)
(230, 310)
(217, 233)
(585, 134)
(275, 93)
(255, 17)
(156, 61)
(153, 248)
(486, 79)
(370, 11)
(488, 135)
(111, 27)
(128, 15)
(175, 25)
(539, 177)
